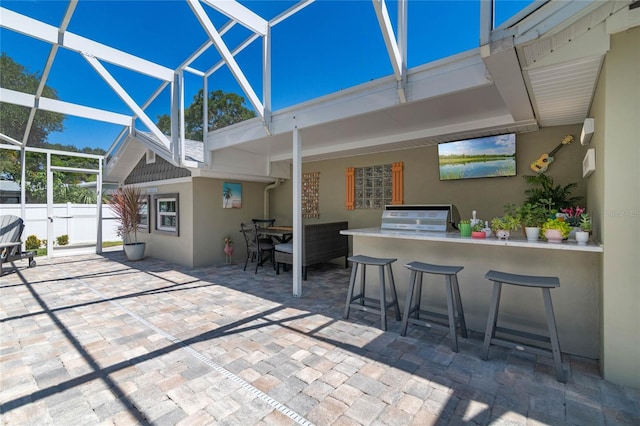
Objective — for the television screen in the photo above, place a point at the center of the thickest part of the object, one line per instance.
(490, 156)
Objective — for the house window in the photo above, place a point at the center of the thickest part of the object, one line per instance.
(166, 212)
(374, 187)
(143, 220)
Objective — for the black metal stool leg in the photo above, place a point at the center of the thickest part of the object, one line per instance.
(352, 283)
(553, 335)
(492, 319)
(451, 314)
(383, 300)
(392, 283)
(456, 293)
(408, 306)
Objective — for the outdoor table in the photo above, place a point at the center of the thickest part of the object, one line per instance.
(281, 234)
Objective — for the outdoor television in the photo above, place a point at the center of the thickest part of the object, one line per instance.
(490, 156)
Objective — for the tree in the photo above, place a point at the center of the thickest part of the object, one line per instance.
(13, 121)
(224, 109)
(13, 118)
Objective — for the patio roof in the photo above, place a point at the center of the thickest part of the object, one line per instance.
(537, 69)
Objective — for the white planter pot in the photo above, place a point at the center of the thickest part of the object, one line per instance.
(503, 234)
(134, 251)
(582, 237)
(533, 233)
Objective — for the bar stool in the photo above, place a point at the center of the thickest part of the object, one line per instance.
(367, 304)
(544, 283)
(454, 303)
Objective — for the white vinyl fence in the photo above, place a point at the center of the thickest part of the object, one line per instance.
(78, 221)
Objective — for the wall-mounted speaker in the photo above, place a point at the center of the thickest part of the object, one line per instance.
(587, 131)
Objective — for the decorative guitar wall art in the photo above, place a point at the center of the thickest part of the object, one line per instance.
(542, 164)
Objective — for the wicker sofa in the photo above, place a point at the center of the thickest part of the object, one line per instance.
(321, 242)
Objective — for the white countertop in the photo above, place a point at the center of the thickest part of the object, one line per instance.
(454, 237)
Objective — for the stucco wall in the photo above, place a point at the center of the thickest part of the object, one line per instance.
(174, 249)
(618, 156)
(214, 222)
(422, 183)
(203, 222)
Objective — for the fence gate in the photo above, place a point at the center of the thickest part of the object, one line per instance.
(51, 214)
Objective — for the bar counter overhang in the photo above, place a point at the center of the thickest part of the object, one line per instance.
(576, 302)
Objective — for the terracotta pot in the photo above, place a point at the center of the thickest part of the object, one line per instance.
(478, 234)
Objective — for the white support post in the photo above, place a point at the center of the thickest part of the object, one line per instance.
(297, 213)
(23, 181)
(266, 79)
(49, 207)
(99, 208)
(486, 21)
(403, 19)
(393, 49)
(177, 118)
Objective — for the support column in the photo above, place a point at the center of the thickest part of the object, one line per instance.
(297, 213)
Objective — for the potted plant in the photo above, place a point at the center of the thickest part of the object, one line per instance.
(532, 216)
(477, 231)
(464, 226)
(556, 230)
(503, 225)
(582, 236)
(542, 187)
(126, 205)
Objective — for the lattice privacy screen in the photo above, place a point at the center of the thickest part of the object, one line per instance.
(310, 195)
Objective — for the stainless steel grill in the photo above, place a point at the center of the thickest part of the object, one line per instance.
(425, 218)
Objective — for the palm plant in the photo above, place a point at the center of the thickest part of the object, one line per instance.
(542, 188)
(125, 203)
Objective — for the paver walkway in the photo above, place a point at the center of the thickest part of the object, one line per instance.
(91, 339)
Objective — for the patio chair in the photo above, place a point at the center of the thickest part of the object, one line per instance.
(11, 228)
(264, 223)
(257, 250)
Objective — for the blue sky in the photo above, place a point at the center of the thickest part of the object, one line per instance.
(328, 46)
(499, 145)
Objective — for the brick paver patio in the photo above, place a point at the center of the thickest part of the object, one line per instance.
(91, 339)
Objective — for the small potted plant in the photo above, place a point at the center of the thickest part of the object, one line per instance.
(477, 231)
(464, 226)
(503, 225)
(556, 230)
(532, 216)
(582, 236)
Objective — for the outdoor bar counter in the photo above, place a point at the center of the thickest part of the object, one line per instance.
(576, 302)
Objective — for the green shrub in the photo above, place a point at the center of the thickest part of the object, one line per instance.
(62, 240)
(32, 242)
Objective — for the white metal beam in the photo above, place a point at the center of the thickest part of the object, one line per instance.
(128, 100)
(240, 14)
(10, 139)
(389, 38)
(395, 55)
(54, 105)
(266, 80)
(290, 12)
(34, 28)
(486, 21)
(47, 68)
(222, 48)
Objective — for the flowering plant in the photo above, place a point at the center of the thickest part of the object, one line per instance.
(572, 216)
